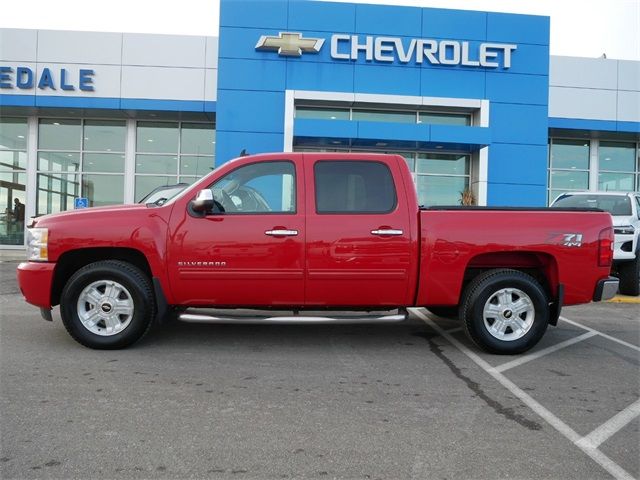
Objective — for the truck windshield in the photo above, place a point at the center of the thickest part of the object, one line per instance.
(614, 204)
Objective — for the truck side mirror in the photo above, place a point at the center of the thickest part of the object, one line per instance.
(203, 202)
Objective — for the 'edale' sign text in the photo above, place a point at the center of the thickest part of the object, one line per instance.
(390, 49)
(25, 78)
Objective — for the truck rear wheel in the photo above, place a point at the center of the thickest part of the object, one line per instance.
(505, 311)
(107, 305)
(630, 276)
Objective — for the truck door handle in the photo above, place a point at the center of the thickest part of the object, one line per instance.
(281, 233)
(386, 231)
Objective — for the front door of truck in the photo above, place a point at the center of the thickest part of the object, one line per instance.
(252, 254)
(358, 233)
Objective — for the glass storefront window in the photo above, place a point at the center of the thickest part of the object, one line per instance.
(461, 119)
(319, 113)
(384, 116)
(13, 179)
(440, 177)
(56, 192)
(13, 160)
(157, 164)
(392, 116)
(610, 182)
(193, 165)
(196, 157)
(103, 189)
(157, 137)
(440, 190)
(59, 161)
(104, 135)
(146, 183)
(197, 138)
(445, 164)
(570, 154)
(59, 134)
(13, 133)
(103, 162)
(616, 156)
(12, 207)
(569, 180)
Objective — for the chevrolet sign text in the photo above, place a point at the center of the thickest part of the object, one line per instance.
(419, 50)
(387, 49)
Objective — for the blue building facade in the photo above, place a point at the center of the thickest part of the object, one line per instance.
(377, 58)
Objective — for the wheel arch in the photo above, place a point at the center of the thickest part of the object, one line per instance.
(540, 265)
(70, 262)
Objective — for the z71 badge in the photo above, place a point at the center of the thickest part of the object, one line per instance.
(565, 239)
(572, 239)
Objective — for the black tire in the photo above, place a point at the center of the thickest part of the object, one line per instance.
(483, 288)
(445, 312)
(629, 273)
(140, 295)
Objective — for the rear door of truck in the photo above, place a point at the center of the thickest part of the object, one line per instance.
(358, 231)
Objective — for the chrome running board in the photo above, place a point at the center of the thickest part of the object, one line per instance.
(257, 317)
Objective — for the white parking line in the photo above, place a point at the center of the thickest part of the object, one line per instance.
(596, 455)
(545, 351)
(611, 426)
(604, 335)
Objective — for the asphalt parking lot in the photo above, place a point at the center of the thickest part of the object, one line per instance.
(400, 401)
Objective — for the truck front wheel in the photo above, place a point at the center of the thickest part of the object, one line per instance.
(107, 305)
(505, 311)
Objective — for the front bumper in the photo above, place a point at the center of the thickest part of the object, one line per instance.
(606, 289)
(35, 280)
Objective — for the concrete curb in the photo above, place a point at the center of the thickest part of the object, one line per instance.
(624, 299)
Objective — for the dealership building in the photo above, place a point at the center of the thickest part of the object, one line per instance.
(472, 100)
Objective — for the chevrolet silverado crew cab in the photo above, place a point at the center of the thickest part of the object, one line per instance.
(624, 207)
(309, 232)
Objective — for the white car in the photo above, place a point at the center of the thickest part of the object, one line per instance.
(624, 208)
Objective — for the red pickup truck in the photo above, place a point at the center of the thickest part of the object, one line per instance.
(309, 232)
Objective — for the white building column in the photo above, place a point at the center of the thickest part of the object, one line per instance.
(32, 166)
(130, 162)
(593, 165)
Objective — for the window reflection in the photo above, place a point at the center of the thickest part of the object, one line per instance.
(103, 190)
(12, 207)
(56, 192)
(146, 183)
(13, 179)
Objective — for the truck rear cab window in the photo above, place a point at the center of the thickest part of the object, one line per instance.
(263, 187)
(354, 187)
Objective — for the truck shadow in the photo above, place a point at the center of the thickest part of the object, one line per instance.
(180, 334)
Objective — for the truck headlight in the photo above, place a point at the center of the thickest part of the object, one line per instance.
(37, 244)
(624, 230)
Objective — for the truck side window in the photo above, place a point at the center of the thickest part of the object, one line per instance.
(263, 187)
(354, 187)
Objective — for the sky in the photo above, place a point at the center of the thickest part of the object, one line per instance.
(583, 28)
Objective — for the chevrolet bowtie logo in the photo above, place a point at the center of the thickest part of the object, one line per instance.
(290, 44)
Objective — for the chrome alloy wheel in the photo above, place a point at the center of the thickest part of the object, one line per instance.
(508, 314)
(105, 308)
